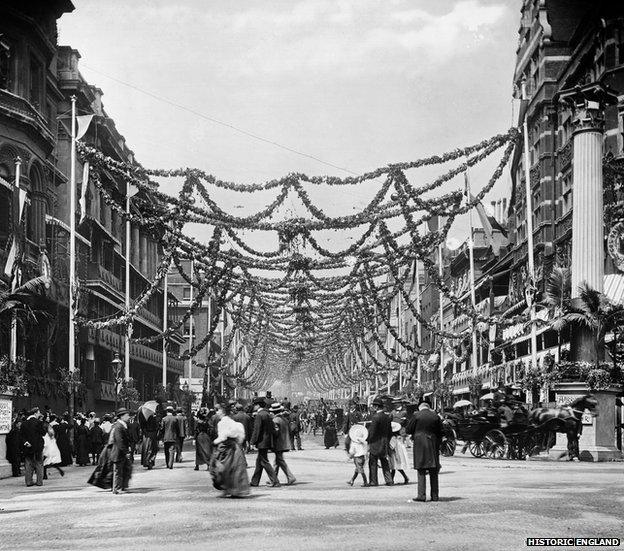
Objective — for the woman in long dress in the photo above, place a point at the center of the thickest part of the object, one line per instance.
(81, 443)
(51, 453)
(203, 440)
(228, 466)
(330, 437)
(63, 442)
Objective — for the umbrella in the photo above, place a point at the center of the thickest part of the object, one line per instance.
(462, 403)
(358, 433)
(488, 396)
(148, 409)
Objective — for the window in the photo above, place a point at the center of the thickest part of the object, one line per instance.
(36, 83)
(5, 65)
(186, 293)
(5, 211)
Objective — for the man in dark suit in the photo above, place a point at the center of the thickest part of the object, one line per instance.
(170, 430)
(135, 435)
(425, 427)
(281, 442)
(262, 438)
(31, 436)
(379, 435)
(241, 417)
(120, 452)
(182, 425)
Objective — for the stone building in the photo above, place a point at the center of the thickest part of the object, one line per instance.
(37, 78)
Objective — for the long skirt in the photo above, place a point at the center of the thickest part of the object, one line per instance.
(331, 437)
(82, 450)
(102, 476)
(228, 469)
(149, 449)
(203, 449)
(64, 445)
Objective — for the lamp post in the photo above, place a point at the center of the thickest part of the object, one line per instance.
(117, 373)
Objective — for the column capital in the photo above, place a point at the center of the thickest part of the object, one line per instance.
(587, 103)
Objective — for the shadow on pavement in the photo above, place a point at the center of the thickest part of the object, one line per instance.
(3, 512)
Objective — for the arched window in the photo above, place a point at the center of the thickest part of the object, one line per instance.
(6, 201)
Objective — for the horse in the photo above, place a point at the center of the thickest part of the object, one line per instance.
(565, 420)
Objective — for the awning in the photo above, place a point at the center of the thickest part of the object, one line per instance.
(462, 390)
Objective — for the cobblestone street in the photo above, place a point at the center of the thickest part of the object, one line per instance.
(492, 504)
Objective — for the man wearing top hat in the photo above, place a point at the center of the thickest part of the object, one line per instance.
(379, 435)
(120, 451)
(425, 427)
(170, 430)
(262, 438)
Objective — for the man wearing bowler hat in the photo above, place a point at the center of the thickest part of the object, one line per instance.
(262, 438)
(379, 435)
(425, 427)
(120, 451)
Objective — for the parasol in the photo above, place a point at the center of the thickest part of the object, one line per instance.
(488, 396)
(358, 433)
(462, 403)
(148, 409)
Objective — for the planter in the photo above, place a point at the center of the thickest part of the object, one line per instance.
(597, 441)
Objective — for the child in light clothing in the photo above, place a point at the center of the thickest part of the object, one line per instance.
(358, 450)
(398, 454)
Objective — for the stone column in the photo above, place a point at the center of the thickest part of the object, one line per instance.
(588, 255)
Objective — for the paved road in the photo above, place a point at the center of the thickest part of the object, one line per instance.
(484, 504)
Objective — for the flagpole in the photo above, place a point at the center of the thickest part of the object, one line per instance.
(400, 333)
(14, 274)
(441, 311)
(72, 254)
(190, 360)
(222, 351)
(418, 326)
(165, 325)
(209, 348)
(127, 297)
(473, 297)
(529, 222)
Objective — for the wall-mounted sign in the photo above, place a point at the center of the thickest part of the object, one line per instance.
(6, 415)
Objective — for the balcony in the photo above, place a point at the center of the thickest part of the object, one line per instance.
(535, 176)
(23, 111)
(564, 224)
(138, 352)
(97, 274)
(104, 390)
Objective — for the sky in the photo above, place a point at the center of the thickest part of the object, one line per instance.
(356, 84)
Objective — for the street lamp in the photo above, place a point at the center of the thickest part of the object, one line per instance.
(117, 372)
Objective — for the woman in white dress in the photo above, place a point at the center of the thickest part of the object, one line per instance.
(51, 453)
(228, 466)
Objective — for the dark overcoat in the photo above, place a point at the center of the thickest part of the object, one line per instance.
(263, 430)
(170, 428)
(282, 434)
(120, 440)
(379, 434)
(425, 427)
(32, 431)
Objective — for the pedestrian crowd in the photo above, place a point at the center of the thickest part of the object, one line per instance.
(41, 440)
(224, 436)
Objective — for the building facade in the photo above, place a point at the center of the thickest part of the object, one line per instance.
(37, 80)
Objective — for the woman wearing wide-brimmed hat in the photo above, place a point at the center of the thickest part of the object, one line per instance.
(331, 430)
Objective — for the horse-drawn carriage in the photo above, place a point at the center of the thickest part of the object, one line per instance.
(490, 434)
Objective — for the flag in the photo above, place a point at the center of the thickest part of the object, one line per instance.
(22, 202)
(8, 267)
(83, 125)
(83, 191)
(131, 189)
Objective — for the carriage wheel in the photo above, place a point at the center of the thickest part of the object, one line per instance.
(448, 446)
(476, 448)
(495, 444)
